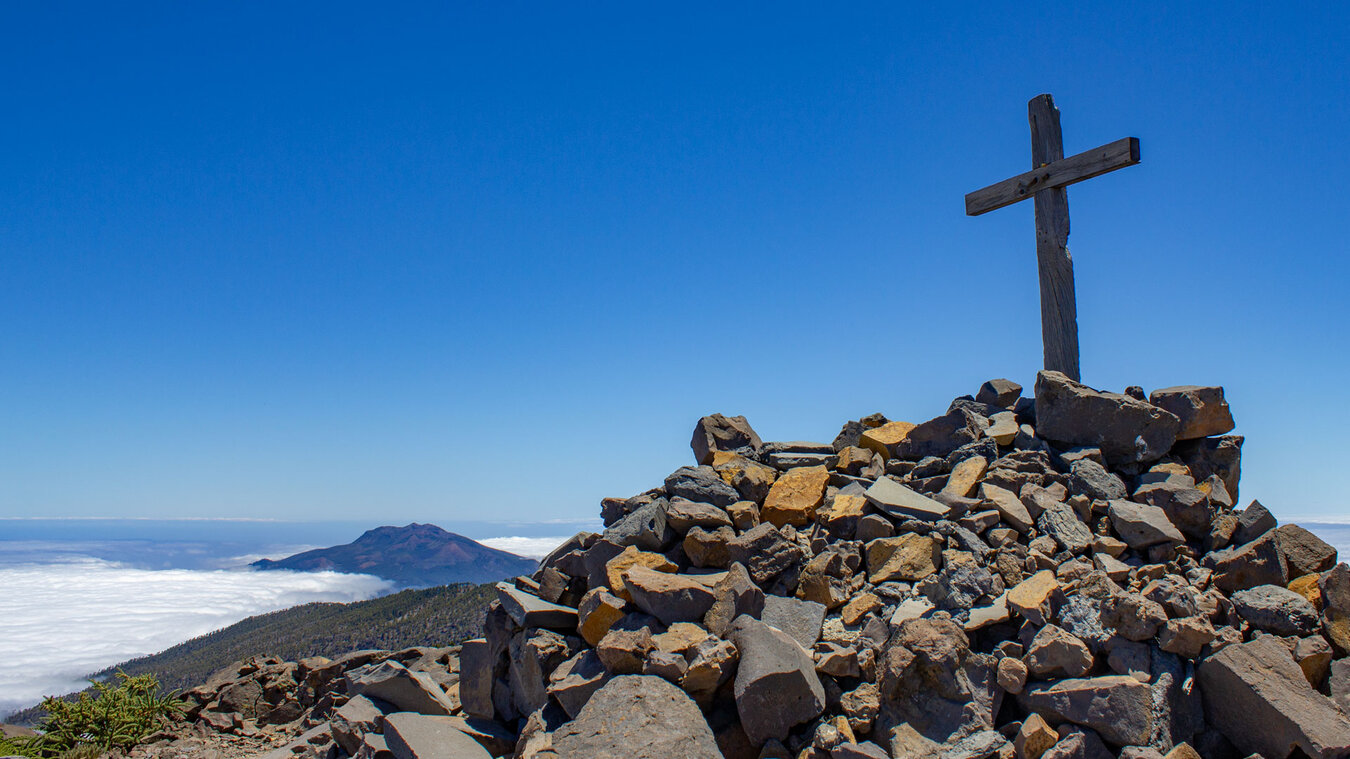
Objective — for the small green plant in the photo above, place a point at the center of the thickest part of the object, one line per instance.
(114, 716)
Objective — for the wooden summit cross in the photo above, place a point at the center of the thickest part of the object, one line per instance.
(1051, 172)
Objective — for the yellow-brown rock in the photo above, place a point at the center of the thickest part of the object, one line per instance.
(632, 557)
(1034, 738)
(794, 497)
(907, 557)
(680, 637)
(1182, 751)
(858, 607)
(842, 508)
(854, 459)
(965, 476)
(1307, 587)
(750, 478)
(1032, 597)
(598, 611)
(884, 438)
(744, 514)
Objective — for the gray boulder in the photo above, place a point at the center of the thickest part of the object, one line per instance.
(1118, 707)
(801, 620)
(1127, 431)
(400, 686)
(637, 717)
(901, 502)
(1202, 410)
(353, 720)
(419, 736)
(940, 436)
(1246, 566)
(701, 484)
(776, 686)
(645, 528)
(1260, 700)
(1087, 477)
(1276, 610)
(1141, 526)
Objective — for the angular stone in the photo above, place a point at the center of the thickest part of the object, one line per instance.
(885, 438)
(1009, 507)
(1034, 597)
(842, 514)
(965, 476)
(418, 736)
(765, 553)
(1056, 653)
(1141, 526)
(1313, 655)
(1258, 697)
(637, 717)
(1303, 552)
(1133, 616)
(1203, 412)
(999, 392)
(624, 652)
(776, 685)
(711, 663)
(405, 689)
(722, 433)
(744, 514)
(906, 558)
(701, 484)
(1012, 674)
(899, 501)
(1003, 428)
(1188, 508)
(1126, 430)
(708, 548)
(1335, 591)
(1034, 738)
(940, 436)
(735, 594)
(682, 514)
(1061, 522)
(794, 497)
(645, 527)
(1119, 708)
(476, 664)
(750, 478)
(533, 656)
(668, 597)
(1246, 566)
(631, 557)
(801, 620)
(1307, 586)
(598, 611)
(1186, 636)
(532, 611)
(575, 680)
(1087, 477)
(351, 721)
(1276, 610)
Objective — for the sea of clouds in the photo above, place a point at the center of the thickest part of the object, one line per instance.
(63, 620)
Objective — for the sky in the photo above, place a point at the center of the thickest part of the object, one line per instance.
(449, 262)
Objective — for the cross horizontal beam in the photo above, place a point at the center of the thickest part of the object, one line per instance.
(1061, 173)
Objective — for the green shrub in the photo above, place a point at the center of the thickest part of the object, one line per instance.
(13, 747)
(112, 717)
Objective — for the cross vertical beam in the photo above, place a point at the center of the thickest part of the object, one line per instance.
(1059, 307)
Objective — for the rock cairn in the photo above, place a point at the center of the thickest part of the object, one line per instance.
(1055, 577)
(1027, 578)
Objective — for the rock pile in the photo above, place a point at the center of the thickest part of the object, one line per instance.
(1056, 577)
(1027, 578)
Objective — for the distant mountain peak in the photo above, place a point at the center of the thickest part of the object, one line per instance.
(414, 555)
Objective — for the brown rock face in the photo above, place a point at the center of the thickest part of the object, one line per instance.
(794, 497)
(1202, 410)
(723, 433)
(1126, 430)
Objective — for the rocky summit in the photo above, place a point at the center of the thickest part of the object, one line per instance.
(1046, 577)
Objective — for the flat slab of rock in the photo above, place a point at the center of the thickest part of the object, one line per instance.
(899, 501)
(400, 686)
(637, 717)
(776, 684)
(1141, 525)
(1118, 707)
(419, 736)
(532, 611)
(669, 597)
(1260, 700)
(1125, 429)
(801, 620)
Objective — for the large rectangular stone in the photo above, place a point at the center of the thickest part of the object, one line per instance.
(532, 611)
(899, 501)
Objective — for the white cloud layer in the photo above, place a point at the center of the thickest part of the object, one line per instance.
(534, 548)
(60, 622)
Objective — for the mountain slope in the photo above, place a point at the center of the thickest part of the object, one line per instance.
(416, 555)
(439, 616)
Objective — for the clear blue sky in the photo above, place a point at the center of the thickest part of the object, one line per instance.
(310, 261)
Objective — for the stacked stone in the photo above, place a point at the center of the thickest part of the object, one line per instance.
(1027, 578)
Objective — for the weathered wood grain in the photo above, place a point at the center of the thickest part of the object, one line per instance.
(1059, 308)
(1061, 172)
